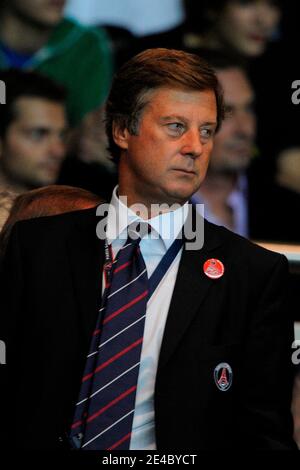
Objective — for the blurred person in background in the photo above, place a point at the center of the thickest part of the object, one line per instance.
(288, 169)
(34, 35)
(239, 28)
(296, 407)
(88, 164)
(225, 189)
(259, 34)
(32, 131)
(6, 201)
(234, 193)
(127, 20)
(46, 201)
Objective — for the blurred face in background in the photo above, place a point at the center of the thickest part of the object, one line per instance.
(234, 143)
(33, 147)
(45, 13)
(247, 26)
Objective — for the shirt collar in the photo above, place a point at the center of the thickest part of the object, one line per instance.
(240, 189)
(239, 192)
(167, 225)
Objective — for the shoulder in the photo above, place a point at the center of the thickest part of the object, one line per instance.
(245, 254)
(94, 36)
(55, 226)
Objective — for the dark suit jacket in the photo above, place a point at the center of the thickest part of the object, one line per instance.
(50, 293)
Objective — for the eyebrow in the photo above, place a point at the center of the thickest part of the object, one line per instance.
(181, 118)
(43, 129)
(250, 102)
(39, 128)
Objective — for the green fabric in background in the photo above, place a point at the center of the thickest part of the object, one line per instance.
(79, 58)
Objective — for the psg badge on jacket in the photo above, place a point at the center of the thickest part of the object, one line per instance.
(223, 376)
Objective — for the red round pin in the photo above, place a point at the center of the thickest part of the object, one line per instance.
(213, 268)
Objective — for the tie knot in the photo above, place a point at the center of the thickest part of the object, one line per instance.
(137, 230)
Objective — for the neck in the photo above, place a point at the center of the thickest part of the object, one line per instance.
(217, 187)
(143, 205)
(7, 184)
(21, 35)
(142, 194)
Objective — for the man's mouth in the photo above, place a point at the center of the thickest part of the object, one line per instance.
(184, 170)
(258, 37)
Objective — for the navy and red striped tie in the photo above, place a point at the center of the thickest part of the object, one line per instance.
(104, 413)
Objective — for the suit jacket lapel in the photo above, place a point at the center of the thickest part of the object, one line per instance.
(86, 257)
(191, 288)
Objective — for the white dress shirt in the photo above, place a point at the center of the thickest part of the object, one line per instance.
(166, 226)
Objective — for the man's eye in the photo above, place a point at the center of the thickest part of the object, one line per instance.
(207, 133)
(176, 127)
(37, 134)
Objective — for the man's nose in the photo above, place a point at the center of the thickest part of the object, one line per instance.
(192, 145)
(57, 148)
(245, 124)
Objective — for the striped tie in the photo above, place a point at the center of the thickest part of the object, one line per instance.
(104, 413)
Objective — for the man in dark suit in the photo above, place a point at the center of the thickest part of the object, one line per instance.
(214, 367)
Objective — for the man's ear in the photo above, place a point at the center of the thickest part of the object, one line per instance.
(120, 136)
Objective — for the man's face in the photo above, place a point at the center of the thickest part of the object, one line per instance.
(46, 13)
(33, 148)
(249, 26)
(167, 161)
(233, 145)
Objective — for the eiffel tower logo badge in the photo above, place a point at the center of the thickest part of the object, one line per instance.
(223, 376)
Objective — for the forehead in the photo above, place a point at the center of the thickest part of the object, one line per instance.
(39, 111)
(235, 84)
(169, 101)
